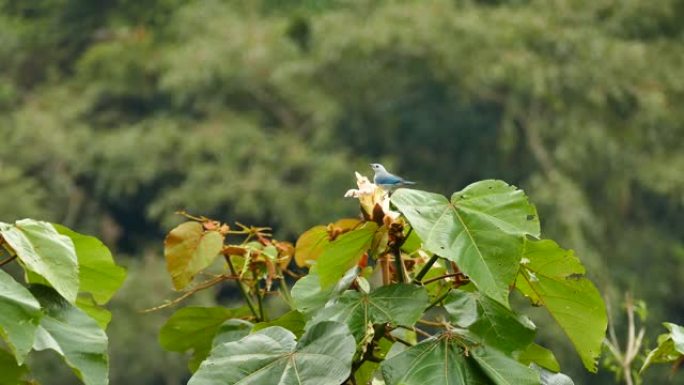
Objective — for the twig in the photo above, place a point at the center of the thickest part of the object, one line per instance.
(257, 291)
(438, 300)
(424, 270)
(241, 287)
(429, 281)
(200, 287)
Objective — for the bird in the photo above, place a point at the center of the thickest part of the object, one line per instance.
(387, 180)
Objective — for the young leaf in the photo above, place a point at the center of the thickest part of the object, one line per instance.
(399, 304)
(310, 245)
(45, 252)
(272, 356)
(344, 253)
(670, 347)
(434, 361)
(493, 323)
(98, 274)
(194, 328)
(73, 335)
(481, 229)
(19, 316)
(11, 373)
(308, 295)
(189, 249)
(554, 277)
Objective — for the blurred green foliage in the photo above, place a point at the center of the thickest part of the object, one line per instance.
(116, 113)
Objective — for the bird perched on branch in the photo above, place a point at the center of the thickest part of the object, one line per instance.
(386, 180)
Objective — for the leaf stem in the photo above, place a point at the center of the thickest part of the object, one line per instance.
(285, 290)
(248, 300)
(431, 280)
(417, 280)
(260, 302)
(438, 300)
(7, 260)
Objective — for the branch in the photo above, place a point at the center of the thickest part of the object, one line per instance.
(200, 287)
(424, 270)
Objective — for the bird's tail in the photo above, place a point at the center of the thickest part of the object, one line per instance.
(408, 182)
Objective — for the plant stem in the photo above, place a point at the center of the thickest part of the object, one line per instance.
(401, 273)
(204, 285)
(260, 301)
(429, 281)
(7, 260)
(425, 269)
(250, 304)
(438, 300)
(285, 290)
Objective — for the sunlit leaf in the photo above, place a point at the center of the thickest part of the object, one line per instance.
(73, 335)
(481, 229)
(47, 253)
(98, 274)
(310, 245)
(308, 295)
(19, 316)
(554, 277)
(344, 253)
(189, 249)
(272, 356)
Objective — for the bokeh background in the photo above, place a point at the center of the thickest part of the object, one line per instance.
(116, 113)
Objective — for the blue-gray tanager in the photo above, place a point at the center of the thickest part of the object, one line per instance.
(386, 180)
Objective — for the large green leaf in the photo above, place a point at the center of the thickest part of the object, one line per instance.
(189, 249)
(19, 316)
(344, 253)
(493, 323)
(45, 252)
(308, 295)
(434, 361)
(554, 277)
(73, 335)
(502, 369)
(399, 304)
(670, 347)
(482, 229)
(98, 274)
(272, 356)
(194, 328)
(10, 372)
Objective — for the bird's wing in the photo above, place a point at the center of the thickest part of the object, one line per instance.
(387, 179)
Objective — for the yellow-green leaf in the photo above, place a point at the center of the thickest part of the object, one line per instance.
(189, 249)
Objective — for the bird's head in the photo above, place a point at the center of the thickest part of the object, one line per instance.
(377, 167)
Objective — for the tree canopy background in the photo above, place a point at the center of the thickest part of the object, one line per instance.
(116, 113)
